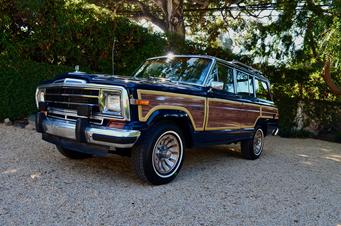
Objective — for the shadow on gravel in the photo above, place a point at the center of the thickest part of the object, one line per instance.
(119, 168)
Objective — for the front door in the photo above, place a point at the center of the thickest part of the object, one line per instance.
(224, 109)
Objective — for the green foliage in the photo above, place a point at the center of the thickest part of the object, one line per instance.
(18, 81)
(70, 33)
(287, 111)
(39, 36)
(327, 112)
(330, 44)
(56, 33)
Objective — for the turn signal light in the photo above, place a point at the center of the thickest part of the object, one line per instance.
(142, 102)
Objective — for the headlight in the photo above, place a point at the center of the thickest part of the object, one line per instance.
(40, 96)
(113, 103)
(110, 102)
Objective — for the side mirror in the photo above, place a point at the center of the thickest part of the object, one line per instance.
(217, 85)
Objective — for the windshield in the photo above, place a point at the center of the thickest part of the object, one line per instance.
(178, 69)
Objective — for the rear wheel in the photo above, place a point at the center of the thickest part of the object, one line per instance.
(252, 149)
(159, 157)
(72, 154)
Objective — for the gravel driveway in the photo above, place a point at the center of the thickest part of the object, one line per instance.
(295, 182)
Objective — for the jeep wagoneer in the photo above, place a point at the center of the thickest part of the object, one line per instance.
(171, 103)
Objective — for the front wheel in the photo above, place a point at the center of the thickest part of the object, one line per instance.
(252, 149)
(159, 157)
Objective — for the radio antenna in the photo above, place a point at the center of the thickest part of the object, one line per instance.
(113, 57)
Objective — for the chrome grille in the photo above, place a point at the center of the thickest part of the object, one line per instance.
(71, 98)
(63, 101)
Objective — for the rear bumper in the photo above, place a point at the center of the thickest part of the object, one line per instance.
(83, 132)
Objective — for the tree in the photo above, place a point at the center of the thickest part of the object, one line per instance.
(330, 44)
(328, 79)
(166, 14)
(172, 16)
(303, 33)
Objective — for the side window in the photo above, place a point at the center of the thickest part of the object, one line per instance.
(244, 84)
(225, 75)
(262, 90)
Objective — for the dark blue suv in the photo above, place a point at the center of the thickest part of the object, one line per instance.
(170, 103)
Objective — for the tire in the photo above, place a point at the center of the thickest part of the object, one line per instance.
(159, 156)
(72, 154)
(253, 149)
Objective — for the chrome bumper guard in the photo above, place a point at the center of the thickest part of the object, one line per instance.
(100, 135)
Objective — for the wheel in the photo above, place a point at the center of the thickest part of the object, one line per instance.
(72, 154)
(159, 156)
(252, 149)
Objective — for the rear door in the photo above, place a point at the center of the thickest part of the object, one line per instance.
(250, 111)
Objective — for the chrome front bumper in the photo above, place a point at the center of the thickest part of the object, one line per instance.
(99, 135)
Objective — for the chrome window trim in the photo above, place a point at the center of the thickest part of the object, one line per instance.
(209, 73)
(235, 80)
(92, 86)
(188, 55)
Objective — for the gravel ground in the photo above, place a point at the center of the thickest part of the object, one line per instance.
(295, 182)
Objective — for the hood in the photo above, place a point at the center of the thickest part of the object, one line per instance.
(131, 83)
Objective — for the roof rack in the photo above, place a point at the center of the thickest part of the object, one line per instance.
(246, 66)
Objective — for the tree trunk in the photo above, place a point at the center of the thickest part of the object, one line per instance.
(328, 79)
(175, 18)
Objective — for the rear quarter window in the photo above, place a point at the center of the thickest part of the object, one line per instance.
(262, 90)
(244, 84)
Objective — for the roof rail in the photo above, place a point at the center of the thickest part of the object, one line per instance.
(246, 66)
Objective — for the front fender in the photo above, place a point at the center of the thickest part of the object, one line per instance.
(168, 114)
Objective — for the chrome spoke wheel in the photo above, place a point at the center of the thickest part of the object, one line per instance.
(167, 154)
(258, 142)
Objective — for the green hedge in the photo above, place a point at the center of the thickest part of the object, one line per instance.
(18, 81)
(74, 33)
(38, 35)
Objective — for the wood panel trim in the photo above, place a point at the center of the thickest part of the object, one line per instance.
(208, 109)
(242, 126)
(146, 91)
(142, 118)
(266, 110)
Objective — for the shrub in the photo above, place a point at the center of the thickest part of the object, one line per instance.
(68, 33)
(74, 33)
(18, 81)
(40, 36)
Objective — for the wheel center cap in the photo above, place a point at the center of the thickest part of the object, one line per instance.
(163, 153)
